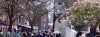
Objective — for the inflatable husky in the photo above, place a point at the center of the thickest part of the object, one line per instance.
(68, 31)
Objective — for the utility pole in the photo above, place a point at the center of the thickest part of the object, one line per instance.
(54, 17)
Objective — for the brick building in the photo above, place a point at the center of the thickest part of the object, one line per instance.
(5, 19)
(42, 23)
(22, 24)
(17, 25)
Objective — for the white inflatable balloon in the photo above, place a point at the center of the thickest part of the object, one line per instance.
(68, 31)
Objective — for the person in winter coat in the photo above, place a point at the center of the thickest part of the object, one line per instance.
(17, 33)
(39, 35)
(59, 35)
(51, 35)
(79, 34)
(24, 35)
(44, 34)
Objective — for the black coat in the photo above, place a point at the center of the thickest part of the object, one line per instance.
(44, 35)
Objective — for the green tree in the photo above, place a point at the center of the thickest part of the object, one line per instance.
(85, 12)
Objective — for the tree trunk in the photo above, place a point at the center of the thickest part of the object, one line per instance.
(10, 26)
(32, 27)
(95, 28)
(11, 16)
(94, 31)
(99, 27)
(80, 27)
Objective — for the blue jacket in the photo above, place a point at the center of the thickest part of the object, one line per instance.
(16, 33)
(28, 34)
(39, 35)
(51, 35)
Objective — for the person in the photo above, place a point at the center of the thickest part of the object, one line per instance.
(44, 35)
(54, 35)
(79, 34)
(24, 35)
(1, 31)
(51, 35)
(35, 34)
(59, 35)
(39, 35)
(17, 33)
(28, 34)
(32, 34)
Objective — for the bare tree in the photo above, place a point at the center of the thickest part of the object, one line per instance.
(69, 3)
(34, 10)
(12, 8)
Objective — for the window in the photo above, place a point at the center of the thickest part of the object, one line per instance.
(0, 15)
(22, 20)
(19, 19)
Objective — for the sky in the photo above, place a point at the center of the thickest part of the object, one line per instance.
(50, 14)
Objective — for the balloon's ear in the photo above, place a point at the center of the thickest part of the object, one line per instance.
(59, 20)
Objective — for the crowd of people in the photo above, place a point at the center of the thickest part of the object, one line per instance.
(39, 34)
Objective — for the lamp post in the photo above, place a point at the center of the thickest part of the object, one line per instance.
(54, 19)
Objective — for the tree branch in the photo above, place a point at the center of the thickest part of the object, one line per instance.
(18, 11)
(40, 16)
(4, 23)
(26, 17)
(96, 25)
(2, 7)
(8, 11)
(16, 18)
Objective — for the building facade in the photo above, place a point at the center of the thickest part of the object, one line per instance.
(6, 20)
(22, 24)
(44, 22)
